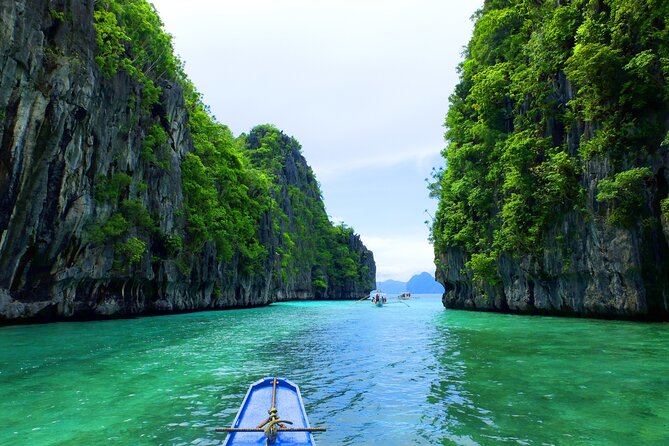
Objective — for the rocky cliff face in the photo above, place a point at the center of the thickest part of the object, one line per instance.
(314, 259)
(555, 196)
(354, 286)
(587, 266)
(66, 132)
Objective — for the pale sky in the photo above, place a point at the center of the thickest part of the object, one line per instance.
(363, 85)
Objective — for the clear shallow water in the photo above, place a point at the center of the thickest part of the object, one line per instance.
(395, 375)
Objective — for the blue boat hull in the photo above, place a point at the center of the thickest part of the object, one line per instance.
(254, 411)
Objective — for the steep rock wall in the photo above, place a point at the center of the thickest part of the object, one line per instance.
(539, 85)
(313, 259)
(587, 267)
(65, 129)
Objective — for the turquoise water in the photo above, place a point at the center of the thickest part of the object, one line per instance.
(395, 375)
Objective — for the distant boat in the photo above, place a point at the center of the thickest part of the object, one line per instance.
(378, 298)
(404, 296)
(281, 399)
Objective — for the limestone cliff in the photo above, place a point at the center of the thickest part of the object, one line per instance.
(316, 259)
(73, 157)
(554, 196)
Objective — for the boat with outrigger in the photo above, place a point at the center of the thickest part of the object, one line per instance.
(271, 396)
(404, 296)
(378, 298)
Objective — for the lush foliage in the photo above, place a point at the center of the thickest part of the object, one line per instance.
(625, 192)
(545, 87)
(154, 144)
(130, 36)
(131, 218)
(111, 188)
(303, 234)
(225, 196)
(247, 197)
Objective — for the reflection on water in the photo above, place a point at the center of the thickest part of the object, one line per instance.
(395, 375)
(532, 380)
(449, 407)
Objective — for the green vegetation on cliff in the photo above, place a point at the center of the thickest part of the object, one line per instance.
(130, 36)
(253, 199)
(225, 197)
(545, 88)
(302, 232)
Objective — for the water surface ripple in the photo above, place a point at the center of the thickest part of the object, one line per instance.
(397, 375)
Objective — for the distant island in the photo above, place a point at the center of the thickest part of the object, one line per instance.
(422, 283)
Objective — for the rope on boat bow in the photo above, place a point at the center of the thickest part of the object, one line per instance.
(272, 425)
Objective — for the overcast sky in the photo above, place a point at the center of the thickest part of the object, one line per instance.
(363, 85)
